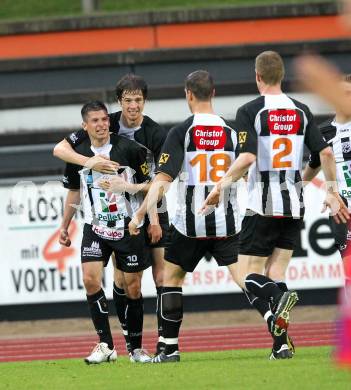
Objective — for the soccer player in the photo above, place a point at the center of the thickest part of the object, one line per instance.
(131, 123)
(197, 152)
(106, 217)
(337, 132)
(272, 132)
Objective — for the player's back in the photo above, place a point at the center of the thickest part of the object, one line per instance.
(199, 152)
(281, 126)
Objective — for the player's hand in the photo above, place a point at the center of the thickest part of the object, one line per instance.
(114, 184)
(64, 238)
(133, 226)
(102, 164)
(337, 207)
(154, 232)
(211, 201)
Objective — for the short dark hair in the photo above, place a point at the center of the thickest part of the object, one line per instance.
(95, 105)
(131, 83)
(270, 67)
(200, 83)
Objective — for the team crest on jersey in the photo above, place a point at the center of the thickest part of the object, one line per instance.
(283, 121)
(73, 137)
(242, 137)
(163, 158)
(209, 137)
(346, 147)
(145, 168)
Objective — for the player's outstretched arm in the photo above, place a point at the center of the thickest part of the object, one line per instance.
(64, 151)
(322, 78)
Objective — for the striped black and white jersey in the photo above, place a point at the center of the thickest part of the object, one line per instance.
(275, 129)
(198, 152)
(109, 213)
(338, 136)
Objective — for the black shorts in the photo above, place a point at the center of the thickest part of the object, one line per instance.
(164, 223)
(260, 235)
(130, 252)
(188, 251)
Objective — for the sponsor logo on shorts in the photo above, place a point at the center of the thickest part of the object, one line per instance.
(108, 234)
(132, 261)
(93, 251)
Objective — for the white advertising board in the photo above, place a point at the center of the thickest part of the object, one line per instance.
(36, 269)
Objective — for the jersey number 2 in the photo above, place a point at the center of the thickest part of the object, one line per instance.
(286, 151)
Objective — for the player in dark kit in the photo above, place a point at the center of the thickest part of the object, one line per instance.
(272, 132)
(106, 217)
(197, 152)
(131, 94)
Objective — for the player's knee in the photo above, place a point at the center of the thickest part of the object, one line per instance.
(118, 278)
(91, 283)
(133, 288)
(172, 306)
(158, 277)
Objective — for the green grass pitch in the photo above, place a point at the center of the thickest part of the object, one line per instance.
(311, 368)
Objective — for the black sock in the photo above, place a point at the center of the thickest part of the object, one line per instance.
(263, 287)
(282, 286)
(134, 320)
(172, 316)
(160, 343)
(119, 299)
(262, 307)
(99, 314)
(279, 341)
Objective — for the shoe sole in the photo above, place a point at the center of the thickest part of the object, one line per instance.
(173, 359)
(286, 355)
(287, 302)
(105, 361)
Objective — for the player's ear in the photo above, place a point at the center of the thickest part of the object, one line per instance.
(84, 126)
(258, 77)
